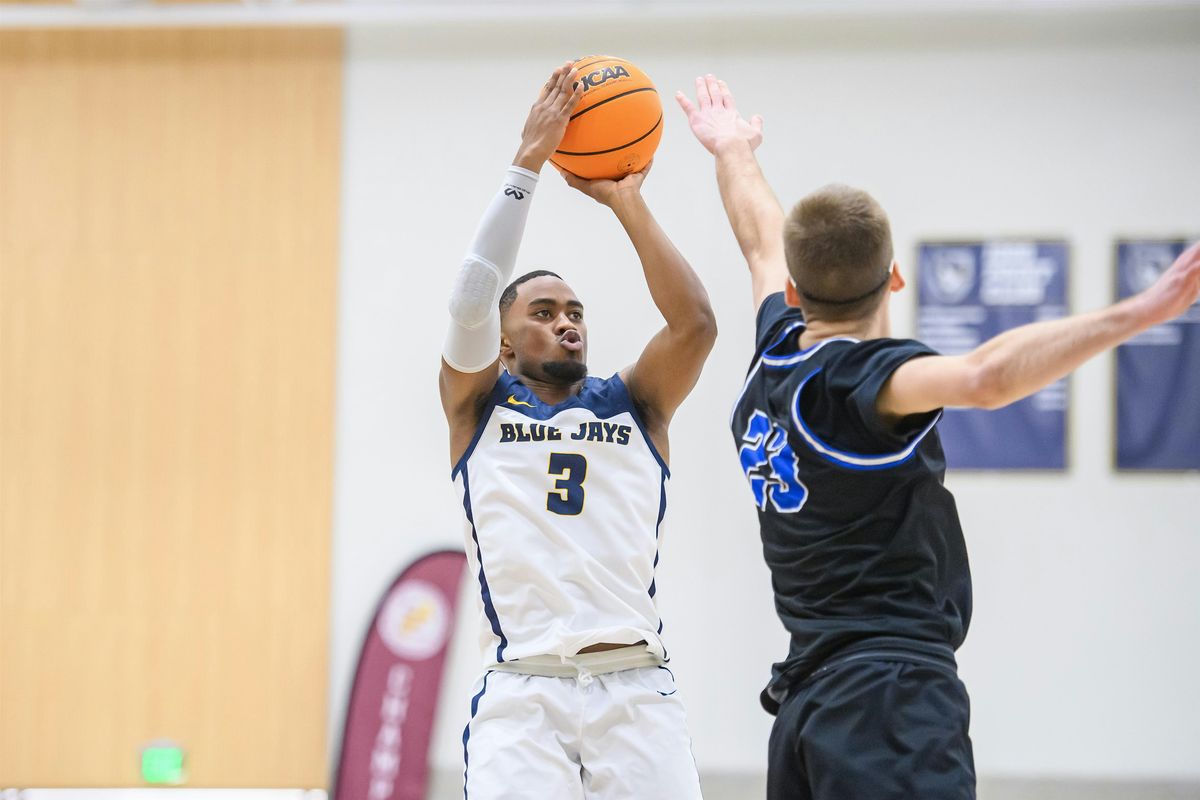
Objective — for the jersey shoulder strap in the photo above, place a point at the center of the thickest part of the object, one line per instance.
(505, 385)
(775, 326)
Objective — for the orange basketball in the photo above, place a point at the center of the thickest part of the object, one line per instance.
(616, 126)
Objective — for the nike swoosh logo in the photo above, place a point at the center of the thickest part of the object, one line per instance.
(513, 401)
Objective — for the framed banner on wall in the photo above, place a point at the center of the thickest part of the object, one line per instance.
(1158, 372)
(969, 292)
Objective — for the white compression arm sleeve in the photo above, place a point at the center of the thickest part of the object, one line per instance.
(473, 341)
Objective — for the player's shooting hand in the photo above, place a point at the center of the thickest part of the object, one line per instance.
(608, 192)
(548, 118)
(714, 118)
(1178, 288)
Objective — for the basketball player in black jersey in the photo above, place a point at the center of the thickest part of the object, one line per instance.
(836, 431)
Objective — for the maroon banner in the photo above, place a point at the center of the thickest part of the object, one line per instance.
(385, 740)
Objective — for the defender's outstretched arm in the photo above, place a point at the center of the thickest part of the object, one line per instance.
(1019, 362)
(753, 211)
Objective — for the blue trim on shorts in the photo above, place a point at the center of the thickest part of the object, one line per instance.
(467, 729)
(672, 674)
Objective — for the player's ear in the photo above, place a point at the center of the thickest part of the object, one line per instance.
(505, 348)
(790, 294)
(897, 281)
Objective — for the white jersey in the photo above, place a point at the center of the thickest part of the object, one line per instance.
(564, 506)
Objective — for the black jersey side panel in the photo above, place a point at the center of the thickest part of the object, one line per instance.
(862, 539)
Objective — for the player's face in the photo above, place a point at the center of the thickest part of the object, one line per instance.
(543, 335)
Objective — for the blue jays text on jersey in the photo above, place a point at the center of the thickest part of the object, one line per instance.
(563, 508)
(595, 431)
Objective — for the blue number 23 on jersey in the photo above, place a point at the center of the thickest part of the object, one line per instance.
(770, 466)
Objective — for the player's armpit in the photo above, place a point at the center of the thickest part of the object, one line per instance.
(928, 383)
(462, 392)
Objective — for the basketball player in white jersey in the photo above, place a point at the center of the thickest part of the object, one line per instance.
(564, 486)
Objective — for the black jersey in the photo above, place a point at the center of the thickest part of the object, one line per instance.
(862, 539)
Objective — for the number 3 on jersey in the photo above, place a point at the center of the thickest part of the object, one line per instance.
(770, 466)
(566, 498)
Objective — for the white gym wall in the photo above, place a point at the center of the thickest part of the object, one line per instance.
(1081, 125)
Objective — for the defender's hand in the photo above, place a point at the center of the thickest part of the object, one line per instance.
(714, 118)
(1177, 288)
(608, 192)
(548, 118)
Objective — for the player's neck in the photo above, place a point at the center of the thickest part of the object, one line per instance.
(819, 330)
(551, 393)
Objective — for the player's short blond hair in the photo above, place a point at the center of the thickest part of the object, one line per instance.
(838, 244)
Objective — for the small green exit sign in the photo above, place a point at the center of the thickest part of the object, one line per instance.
(162, 763)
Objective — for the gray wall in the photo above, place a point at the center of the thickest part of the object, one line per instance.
(1084, 644)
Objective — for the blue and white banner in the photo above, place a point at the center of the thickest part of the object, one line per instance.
(1158, 372)
(970, 292)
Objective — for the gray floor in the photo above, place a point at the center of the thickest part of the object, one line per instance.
(448, 786)
(1027, 789)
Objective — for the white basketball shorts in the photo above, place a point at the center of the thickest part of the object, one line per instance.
(614, 736)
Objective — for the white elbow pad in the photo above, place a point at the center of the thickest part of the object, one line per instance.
(476, 292)
(473, 340)
(473, 349)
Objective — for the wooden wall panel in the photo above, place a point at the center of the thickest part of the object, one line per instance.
(168, 250)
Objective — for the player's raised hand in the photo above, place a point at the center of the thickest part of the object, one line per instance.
(714, 117)
(604, 191)
(548, 118)
(1177, 288)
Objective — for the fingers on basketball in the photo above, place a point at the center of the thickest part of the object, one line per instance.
(551, 85)
(616, 125)
(572, 92)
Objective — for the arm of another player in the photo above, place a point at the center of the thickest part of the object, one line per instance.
(1024, 360)
(750, 205)
(670, 365)
(470, 358)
